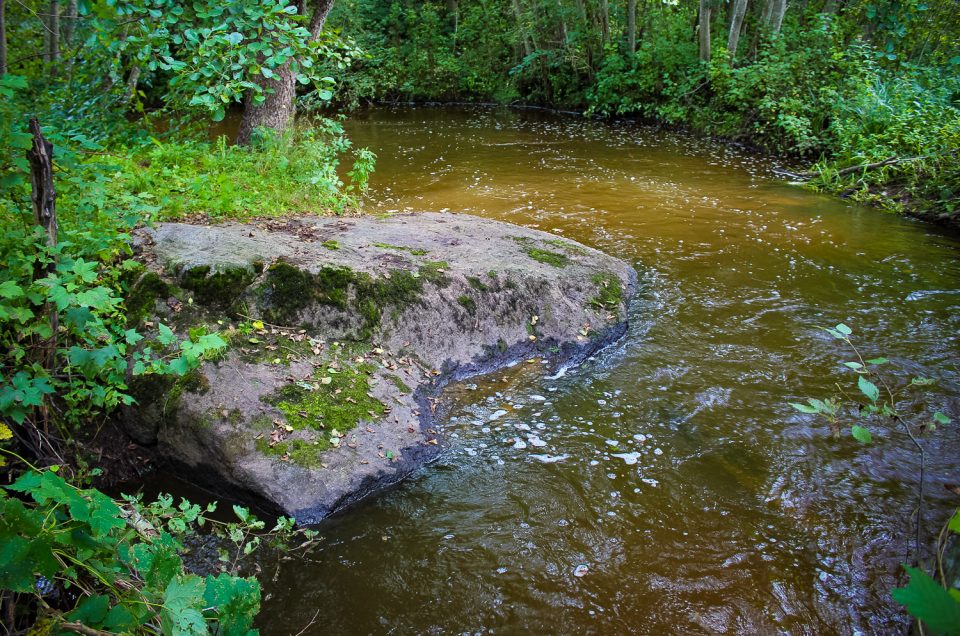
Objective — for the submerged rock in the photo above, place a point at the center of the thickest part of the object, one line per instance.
(341, 333)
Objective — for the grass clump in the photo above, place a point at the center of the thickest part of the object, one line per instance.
(277, 174)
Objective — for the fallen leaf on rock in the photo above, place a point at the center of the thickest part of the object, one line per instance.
(432, 441)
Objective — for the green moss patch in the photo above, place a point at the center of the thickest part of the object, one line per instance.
(221, 289)
(468, 303)
(416, 251)
(143, 295)
(400, 384)
(546, 256)
(573, 248)
(290, 290)
(609, 292)
(331, 244)
(333, 401)
(477, 284)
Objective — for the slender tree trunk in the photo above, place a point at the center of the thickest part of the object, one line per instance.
(3, 38)
(54, 25)
(524, 38)
(604, 21)
(736, 23)
(44, 198)
(453, 9)
(632, 27)
(71, 25)
(277, 110)
(777, 13)
(132, 80)
(704, 30)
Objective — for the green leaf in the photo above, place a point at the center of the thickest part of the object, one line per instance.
(165, 335)
(927, 601)
(803, 408)
(853, 365)
(236, 601)
(182, 607)
(10, 290)
(954, 525)
(132, 337)
(91, 611)
(940, 418)
(861, 434)
(845, 330)
(868, 388)
(877, 361)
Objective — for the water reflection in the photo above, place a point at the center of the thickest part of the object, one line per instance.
(665, 486)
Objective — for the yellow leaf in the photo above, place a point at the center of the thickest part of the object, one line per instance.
(258, 324)
(5, 433)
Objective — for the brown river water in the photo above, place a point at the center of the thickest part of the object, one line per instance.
(726, 510)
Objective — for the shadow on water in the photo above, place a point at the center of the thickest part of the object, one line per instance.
(665, 486)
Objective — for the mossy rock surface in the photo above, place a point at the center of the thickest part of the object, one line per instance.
(320, 399)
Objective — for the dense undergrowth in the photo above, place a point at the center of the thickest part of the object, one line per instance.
(72, 559)
(837, 85)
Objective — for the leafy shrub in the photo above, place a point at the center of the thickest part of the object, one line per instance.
(75, 558)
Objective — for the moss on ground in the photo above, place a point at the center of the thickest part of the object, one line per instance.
(220, 289)
(609, 292)
(331, 244)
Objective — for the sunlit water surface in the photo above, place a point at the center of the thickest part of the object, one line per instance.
(672, 489)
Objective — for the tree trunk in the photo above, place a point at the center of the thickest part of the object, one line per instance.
(604, 22)
(524, 38)
(776, 17)
(54, 26)
(132, 82)
(736, 24)
(277, 110)
(3, 38)
(632, 27)
(453, 9)
(44, 199)
(71, 24)
(705, 30)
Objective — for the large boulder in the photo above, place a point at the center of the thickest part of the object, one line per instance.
(341, 332)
